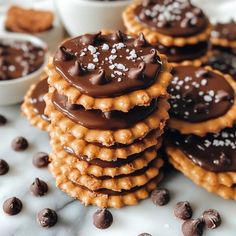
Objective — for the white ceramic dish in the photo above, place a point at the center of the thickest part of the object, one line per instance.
(13, 91)
(82, 16)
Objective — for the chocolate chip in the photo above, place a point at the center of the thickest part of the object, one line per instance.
(192, 227)
(144, 234)
(140, 41)
(89, 38)
(39, 187)
(47, 217)
(76, 69)
(183, 210)
(19, 144)
(117, 36)
(211, 218)
(202, 73)
(223, 96)
(188, 22)
(98, 79)
(200, 108)
(4, 167)
(163, 24)
(41, 159)
(64, 54)
(102, 219)
(135, 73)
(12, 206)
(160, 197)
(150, 58)
(3, 120)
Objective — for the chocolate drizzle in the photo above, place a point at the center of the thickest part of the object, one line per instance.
(19, 58)
(198, 94)
(99, 65)
(36, 98)
(96, 119)
(214, 152)
(174, 17)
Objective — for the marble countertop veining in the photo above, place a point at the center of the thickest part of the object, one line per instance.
(76, 219)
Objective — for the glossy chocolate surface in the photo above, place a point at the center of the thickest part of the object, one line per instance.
(37, 98)
(214, 152)
(96, 119)
(107, 66)
(198, 94)
(172, 17)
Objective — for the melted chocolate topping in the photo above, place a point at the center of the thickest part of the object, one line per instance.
(172, 17)
(108, 164)
(214, 152)
(224, 60)
(198, 94)
(188, 52)
(225, 31)
(19, 58)
(37, 98)
(107, 65)
(96, 119)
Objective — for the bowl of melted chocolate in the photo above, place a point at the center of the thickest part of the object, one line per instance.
(82, 16)
(22, 59)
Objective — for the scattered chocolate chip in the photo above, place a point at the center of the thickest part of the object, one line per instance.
(135, 73)
(89, 38)
(41, 159)
(200, 108)
(98, 79)
(202, 73)
(160, 196)
(19, 144)
(102, 219)
(140, 41)
(183, 210)
(211, 218)
(163, 24)
(47, 217)
(192, 227)
(64, 54)
(144, 234)
(4, 167)
(12, 206)
(223, 96)
(39, 187)
(76, 69)
(3, 120)
(188, 22)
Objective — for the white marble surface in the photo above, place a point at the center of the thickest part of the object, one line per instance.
(75, 219)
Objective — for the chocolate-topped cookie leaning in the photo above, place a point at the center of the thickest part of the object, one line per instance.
(202, 100)
(177, 28)
(109, 72)
(224, 35)
(34, 105)
(209, 161)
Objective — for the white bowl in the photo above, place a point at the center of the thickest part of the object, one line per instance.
(82, 16)
(13, 91)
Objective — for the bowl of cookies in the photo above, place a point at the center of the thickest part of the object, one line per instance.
(83, 16)
(22, 60)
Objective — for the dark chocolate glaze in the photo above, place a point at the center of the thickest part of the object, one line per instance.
(96, 119)
(37, 98)
(174, 18)
(19, 58)
(225, 31)
(188, 52)
(108, 164)
(198, 94)
(214, 152)
(224, 60)
(107, 66)
(123, 192)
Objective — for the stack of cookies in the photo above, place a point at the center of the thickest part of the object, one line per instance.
(201, 141)
(107, 103)
(176, 28)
